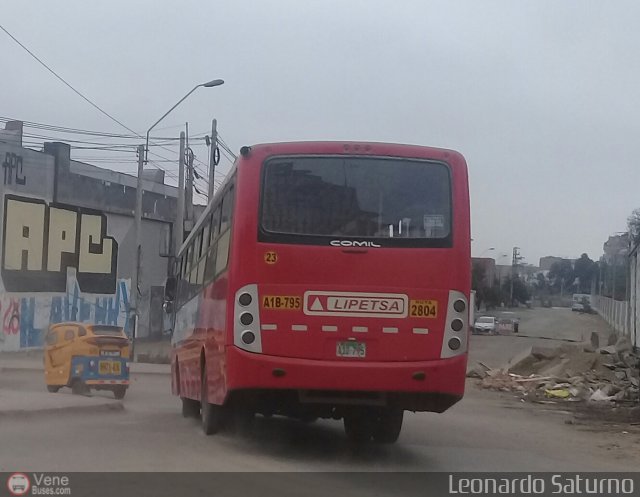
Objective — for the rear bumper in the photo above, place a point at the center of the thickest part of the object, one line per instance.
(106, 383)
(418, 383)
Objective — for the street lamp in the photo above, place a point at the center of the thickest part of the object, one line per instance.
(209, 84)
(142, 159)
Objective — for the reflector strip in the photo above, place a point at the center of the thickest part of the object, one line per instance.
(298, 327)
(329, 328)
(269, 327)
(421, 331)
(360, 329)
(389, 330)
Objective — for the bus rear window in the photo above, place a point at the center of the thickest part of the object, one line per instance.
(389, 200)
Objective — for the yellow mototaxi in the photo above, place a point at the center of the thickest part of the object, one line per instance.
(86, 356)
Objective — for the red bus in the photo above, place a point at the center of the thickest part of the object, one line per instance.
(330, 280)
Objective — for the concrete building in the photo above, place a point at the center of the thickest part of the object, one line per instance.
(67, 242)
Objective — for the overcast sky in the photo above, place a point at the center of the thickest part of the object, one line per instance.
(542, 97)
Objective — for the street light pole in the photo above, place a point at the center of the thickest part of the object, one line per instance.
(137, 258)
(212, 158)
(215, 82)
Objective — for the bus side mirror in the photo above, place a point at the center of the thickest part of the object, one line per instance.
(168, 306)
(170, 289)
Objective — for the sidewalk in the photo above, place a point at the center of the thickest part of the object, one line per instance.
(25, 404)
(35, 364)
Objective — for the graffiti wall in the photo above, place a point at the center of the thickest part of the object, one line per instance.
(57, 264)
(25, 317)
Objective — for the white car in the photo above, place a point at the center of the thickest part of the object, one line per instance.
(486, 324)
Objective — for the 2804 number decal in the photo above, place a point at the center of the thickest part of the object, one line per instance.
(281, 302)
(423, 308)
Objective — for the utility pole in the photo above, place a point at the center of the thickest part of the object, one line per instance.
(514, 265)
(178, 227)
(190, 179)
(212, 158)
(137, 254)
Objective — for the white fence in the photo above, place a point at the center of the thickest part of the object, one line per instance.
(614, 312)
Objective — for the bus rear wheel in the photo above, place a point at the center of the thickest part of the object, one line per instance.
(53, 388)
(190, 408)
(211, 414)
(388, 426)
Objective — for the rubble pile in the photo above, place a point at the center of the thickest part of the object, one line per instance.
(571, 372)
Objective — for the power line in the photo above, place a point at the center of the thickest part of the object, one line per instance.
(64, 81)
(77, 92)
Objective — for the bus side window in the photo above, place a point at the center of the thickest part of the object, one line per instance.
(202, 259)
(206, 237)
(215, 225)
(223, 252)
(227, 210)
(210, 266)
(222, 249)
(182, 282)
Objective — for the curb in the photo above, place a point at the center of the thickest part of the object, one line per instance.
(114, 405)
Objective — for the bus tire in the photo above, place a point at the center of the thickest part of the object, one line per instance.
(53, 388)
(358, 428)
(119, 392)
(190, 408)
(211, 414)
(388, 426)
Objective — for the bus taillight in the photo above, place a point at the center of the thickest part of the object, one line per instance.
(246, 328)
(454, 341)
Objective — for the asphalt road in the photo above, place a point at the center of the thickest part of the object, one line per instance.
(537, 327)
(484, 432)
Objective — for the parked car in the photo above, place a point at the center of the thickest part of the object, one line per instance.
(577, 306)
(485, 324)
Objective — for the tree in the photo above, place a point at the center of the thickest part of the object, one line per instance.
(633, 223)
(562, 275)
(520, 290)
(585, 270)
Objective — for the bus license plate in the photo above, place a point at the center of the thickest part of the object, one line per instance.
(287, 302)
(351, 349)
